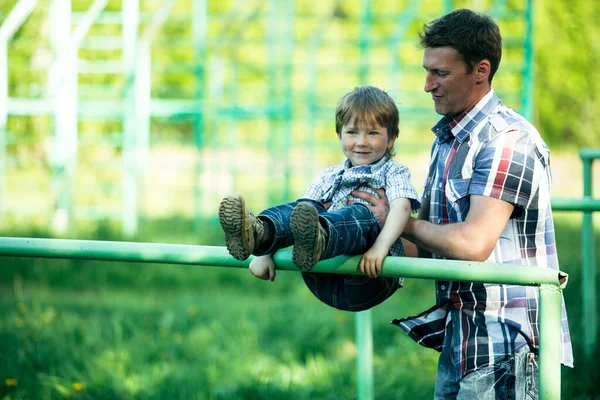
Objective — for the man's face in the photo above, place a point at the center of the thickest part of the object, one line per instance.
(451, 86)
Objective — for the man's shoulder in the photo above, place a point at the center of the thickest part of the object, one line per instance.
(507, 126)
(504, 120)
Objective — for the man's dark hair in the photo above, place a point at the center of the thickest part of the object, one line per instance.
(476, 37)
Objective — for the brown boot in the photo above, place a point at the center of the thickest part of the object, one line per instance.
(309, 236)
(243, 231)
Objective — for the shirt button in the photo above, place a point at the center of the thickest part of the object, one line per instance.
(443, 287)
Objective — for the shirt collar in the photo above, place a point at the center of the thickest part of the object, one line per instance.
(366, 169)
(462, 125)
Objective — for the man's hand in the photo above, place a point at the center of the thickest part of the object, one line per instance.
(378, 204)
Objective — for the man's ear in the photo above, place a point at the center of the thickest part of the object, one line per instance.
(482, 71)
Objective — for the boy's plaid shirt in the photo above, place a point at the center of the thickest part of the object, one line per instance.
(490, 150)
(336, 183)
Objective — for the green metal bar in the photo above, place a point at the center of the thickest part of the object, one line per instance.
(130, 22)
(589, 268)
(62, 93)
(364, 41)
(586, 154)
(527, 93)
(199, 36)
(9, 26)
(364, 360)
(586, 204)
(467, 271)
(364, 334)
(393, 266)
(550, 341)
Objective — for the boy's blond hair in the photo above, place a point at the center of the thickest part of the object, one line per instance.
(371, 106)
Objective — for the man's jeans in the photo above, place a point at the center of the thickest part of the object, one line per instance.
(514, 378)
(351, 230)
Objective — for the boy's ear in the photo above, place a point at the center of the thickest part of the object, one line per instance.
(391, 142)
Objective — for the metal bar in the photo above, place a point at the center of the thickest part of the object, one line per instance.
(62, 94)
(586, 204)
(364, 359)
(527, 79)
(199, 35)
(131, 18)
(393, 266)
(589, 154)
(590, 328)
(3, 121)
(550, 313)
(86, 22)
(466, 271)
(15, 19)
(550, 341)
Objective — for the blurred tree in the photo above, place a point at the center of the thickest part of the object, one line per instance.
(567, 60)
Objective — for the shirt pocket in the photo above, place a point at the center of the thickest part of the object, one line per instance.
(457, 195)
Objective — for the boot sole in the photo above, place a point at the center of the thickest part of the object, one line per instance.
(304, 224)
(231, 217)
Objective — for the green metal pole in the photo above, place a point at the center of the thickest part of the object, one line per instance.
(550, 341)
(199, 35)
(586, 204)
(364, 359)
(63, 96)
(363, 319)
(129, 213)
(3, 121)
(589, 269)
(550, 314)
(527, 94)
(8, 27)
(393, 266)
(215, 256)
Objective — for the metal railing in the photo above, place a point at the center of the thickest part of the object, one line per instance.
(550, 283)
(587, 205)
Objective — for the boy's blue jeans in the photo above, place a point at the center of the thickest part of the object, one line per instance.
(351, 230)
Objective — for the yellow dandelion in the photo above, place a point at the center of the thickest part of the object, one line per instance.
(11, 382)
(78, 386)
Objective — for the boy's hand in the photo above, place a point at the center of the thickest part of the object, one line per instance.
(263, 268)
(372, 262)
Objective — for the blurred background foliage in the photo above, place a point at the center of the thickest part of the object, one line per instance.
(255, 87)
(567, 64)
(92, 330)
(566, 51)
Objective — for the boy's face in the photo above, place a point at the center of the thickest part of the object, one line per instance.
(364, 145)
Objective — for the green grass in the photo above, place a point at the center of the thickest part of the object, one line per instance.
(92, 330)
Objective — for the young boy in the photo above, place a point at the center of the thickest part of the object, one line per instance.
(322, 224)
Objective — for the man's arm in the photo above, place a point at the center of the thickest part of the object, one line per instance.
(473, 240)
(423, 216)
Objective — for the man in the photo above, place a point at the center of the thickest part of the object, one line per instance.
(486, 198)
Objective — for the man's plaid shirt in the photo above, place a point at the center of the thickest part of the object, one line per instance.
(490, 150)
(336, 183)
